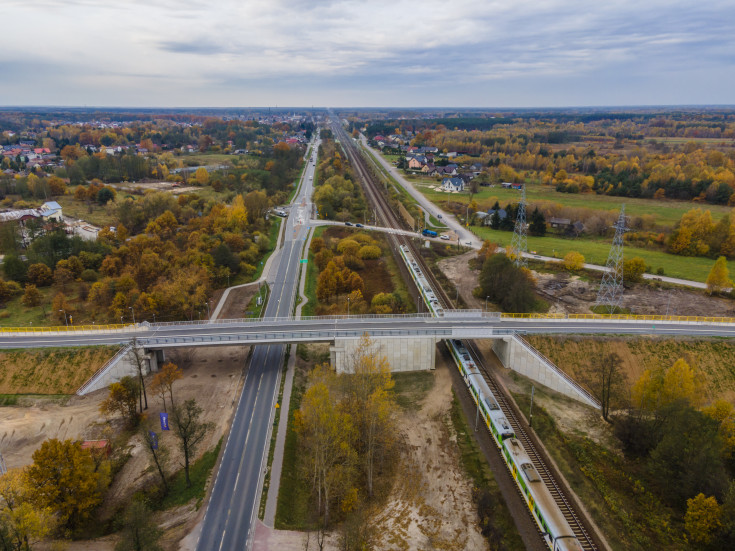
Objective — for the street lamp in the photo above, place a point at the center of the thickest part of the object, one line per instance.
(133, 311)
(208, 314)
(66, 320)
(485, 309)
(348, 306)
(121, 319)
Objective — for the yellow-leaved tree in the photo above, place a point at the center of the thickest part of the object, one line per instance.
(719, 277)
(659, 388)
(573, 261)
(723, 412)
(702, 518)
(25, 523)
(64, 479)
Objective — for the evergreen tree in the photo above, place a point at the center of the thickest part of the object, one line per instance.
(538, 223)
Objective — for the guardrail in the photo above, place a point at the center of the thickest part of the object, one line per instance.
(64, 328)
(622, 317)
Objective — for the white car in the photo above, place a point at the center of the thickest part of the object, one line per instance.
(445, 237)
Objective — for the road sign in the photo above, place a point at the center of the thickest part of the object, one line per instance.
(304, 260)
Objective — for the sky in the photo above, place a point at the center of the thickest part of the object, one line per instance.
(369, 53)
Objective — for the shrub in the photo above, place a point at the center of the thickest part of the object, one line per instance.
(40, 275)
(89, 275)
(573, 261)
(370, 252)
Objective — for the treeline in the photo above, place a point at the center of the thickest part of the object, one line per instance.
(347, 438)
(338, 195)
(686, 450)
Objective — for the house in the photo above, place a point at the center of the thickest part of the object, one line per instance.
(449, 170)
(452, 184)
(429, 169)
(416, 163)
(502, 215)
(560, 223)
(51, 210)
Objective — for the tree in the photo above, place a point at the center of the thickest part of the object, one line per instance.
(718, 279)
(657, 389)
(159, 454)
(60, 307)
(14, 268)
(633, 270)
(122, 400)
(139, 532)
(190, 430)
(573, 261)
(609, 381)
(63, 479)
(538, 223)
(164, 380)
(21, 523)
(32, 296)
(137, 353)
(62, 277)
(105, 195)
(702, 519)
(508, 286)
(201, 176)
(326, 433)
(39, 274)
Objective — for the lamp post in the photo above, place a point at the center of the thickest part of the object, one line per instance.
(348, 306)
(208, 313)
(121, 319)
(485, 309)
(133, 311)
(66, 320)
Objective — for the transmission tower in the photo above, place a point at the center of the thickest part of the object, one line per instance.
(611, 289)
(519, 243)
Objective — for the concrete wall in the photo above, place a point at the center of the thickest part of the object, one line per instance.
(403, 354)
(518, 355)
(119, 366)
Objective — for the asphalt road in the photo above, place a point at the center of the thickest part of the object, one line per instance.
(229, 523)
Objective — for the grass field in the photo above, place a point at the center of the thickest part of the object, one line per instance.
(199, 471)
(712, 359)
(666, 212)
(595, 252)
(205, 159)
(50, 370)
(94, 213)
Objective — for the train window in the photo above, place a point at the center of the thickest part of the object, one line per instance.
(530, 472)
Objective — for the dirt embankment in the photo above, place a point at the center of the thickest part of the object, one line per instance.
(50, 370)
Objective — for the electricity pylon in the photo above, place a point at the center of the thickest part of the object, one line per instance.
(611, 289)
(519, 243)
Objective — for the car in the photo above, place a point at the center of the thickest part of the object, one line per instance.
(439, 216)
(445, 237)
(469, 243)
(359, 225)
(348, 223)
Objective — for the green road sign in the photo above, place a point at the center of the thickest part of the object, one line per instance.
(304, 260)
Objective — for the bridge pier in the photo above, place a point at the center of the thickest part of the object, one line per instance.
(403, 354)
(122, 365)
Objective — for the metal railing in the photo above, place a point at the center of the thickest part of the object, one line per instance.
(64, 328)
(109, 363)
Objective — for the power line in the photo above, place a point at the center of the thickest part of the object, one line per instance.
(611, 289)
(519, 243)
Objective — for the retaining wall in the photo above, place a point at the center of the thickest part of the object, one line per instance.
(403, 354)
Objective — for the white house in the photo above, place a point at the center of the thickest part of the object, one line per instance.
(452, 184)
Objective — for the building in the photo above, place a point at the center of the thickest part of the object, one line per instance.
(452, 184)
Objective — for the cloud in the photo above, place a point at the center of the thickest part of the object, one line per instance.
(477, 52)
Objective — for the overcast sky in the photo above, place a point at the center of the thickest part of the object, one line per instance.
(458, 53)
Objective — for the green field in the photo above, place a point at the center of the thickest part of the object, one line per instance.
(595, 252)
(666, 212)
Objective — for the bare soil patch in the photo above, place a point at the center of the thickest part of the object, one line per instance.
(458, 271)
(212, 375)
(50, 370)
(430, 506)
(237, 301)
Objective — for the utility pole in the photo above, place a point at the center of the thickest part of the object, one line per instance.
(611, 289)
(519, 243)
(530, 410)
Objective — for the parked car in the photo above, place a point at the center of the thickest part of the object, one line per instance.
(445, 237)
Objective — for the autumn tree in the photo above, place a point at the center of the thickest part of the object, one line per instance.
(201, 176)
(718, 279)
(191, 430)
(21, 522)
(64, 480)
(140, 532)
(326, 433)
(633, 270)
(573, 261)
(60, 307)
(39, 274)
(122, 400)
(368, 400)
(608, 382)
(702, 519)
(164, 380)
(137, 354)
(32, 296)
(656, 389)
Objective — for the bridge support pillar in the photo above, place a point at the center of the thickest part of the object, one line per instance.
(403, 354)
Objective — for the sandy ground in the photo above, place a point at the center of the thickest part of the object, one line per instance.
(457, 270)
(431, 505)
(211, 375)
(237, 301)
(157, 186)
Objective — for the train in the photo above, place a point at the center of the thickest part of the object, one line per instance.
(556, 530)
(429, 233)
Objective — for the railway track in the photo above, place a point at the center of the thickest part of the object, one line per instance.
(389, 219)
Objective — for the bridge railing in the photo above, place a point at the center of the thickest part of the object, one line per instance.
(112, 361)
(622, 317)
